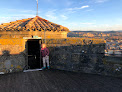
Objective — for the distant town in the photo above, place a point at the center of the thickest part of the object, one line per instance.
(113, 39)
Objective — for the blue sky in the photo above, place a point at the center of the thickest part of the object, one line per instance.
(98, 15)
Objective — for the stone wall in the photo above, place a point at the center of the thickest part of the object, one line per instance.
(83, 58)
(12, 57)
(113, 65)
(14, 46)
(12, 63)
(82, 55)
(71, 54)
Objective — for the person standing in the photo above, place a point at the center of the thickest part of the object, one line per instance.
(45, 56)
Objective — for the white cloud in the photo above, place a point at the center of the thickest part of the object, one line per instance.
(64, 17)
(78, 8)
(72, 24)
(87, 23)
(102, 27)
(85, 26)
(22, 11)
(73, 10)
(51, 15)
(84, 7)
(52, 11)
(79, 24)
(15, 17)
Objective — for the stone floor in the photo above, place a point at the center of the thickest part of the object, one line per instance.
(58, 81)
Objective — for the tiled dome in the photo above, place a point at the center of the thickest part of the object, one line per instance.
(34, 24)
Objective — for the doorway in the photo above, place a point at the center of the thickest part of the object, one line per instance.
(34, 60)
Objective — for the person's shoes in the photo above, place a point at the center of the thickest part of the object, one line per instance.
(43, 68)
(48, 67)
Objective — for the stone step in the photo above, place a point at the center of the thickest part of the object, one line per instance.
(30, 70)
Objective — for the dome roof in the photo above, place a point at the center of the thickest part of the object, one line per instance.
(34, 24)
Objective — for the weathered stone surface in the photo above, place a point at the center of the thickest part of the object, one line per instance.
(87, 58)
(76, 58)
(12, 63)
(113, 66)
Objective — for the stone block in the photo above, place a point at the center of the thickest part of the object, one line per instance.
(75, 57)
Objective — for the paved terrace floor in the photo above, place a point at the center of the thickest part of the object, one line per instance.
(58, 81)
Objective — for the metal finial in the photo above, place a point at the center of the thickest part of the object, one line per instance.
(37, 8)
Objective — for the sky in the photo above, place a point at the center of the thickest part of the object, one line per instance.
(77, 15)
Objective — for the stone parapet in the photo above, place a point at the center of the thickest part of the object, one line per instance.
(82, 55)
(71, 54)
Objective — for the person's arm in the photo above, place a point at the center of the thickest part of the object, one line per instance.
(47, 50)
(42, 52)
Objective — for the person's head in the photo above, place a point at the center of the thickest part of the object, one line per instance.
(43, 45)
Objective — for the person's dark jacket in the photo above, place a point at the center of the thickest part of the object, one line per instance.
(44, 52)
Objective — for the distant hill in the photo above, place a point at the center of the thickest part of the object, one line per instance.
(98, 31)
(95, 33)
